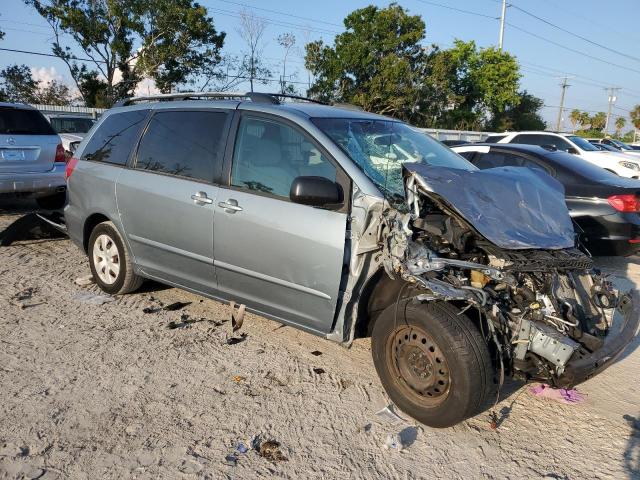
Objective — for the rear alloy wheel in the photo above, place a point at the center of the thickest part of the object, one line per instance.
(110, 261)
(432, 362)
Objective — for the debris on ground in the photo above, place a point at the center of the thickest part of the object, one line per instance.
(25, 294)
(562, 395)
(316, 353)
(269, 449)
(231, 459)
(389, 415)
(237, 316)
(84, 280)
(235, 340)
(242, 448)
(172, 307)
(393, 442)
(239, 378)
(151, 309)
(319, 371)
(92, 298)
(187, 321)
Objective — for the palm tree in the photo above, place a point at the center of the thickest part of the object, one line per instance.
(620, 123)
(574, 118)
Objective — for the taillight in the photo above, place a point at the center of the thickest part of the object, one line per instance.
(60, 156)
(71, 165)
(625, 203)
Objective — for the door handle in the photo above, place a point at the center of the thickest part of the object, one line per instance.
(230, 206)
(200, 198)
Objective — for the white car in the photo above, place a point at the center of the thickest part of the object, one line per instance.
(71, 128)
(618, 163)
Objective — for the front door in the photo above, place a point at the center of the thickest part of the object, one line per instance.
(280, 258)
(166, 201)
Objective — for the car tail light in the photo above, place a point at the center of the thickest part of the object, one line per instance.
(71, 165)
(625, 203)
(60, 155)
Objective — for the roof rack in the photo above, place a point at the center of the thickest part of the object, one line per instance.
(256, 97)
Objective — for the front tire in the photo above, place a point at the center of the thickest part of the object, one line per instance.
(432, 362)
(110, 261)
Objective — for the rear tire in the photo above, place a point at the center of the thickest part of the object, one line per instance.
(110, 261)
(52, 202)
(432, 362)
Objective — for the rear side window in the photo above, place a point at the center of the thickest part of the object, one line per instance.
(18, 121)
(501, 159)
(541, 140)
(494, 138)
(183, 143)
(114, 138)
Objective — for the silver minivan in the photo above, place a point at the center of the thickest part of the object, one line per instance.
(348, 224)
(32, 159)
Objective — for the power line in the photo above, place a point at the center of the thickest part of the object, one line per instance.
(588, 40)
(314, 20)
(469, 12)
(50, 55)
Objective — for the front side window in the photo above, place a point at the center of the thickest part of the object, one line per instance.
(113, 140)
(183, 143)
(542, 140)
(503, 159)
(380, 148)
(269, 155)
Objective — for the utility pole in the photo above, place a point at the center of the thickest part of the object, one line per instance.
(504, 12)
(612, 98)
(564, 86)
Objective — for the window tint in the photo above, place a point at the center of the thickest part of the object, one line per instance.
(114, 138)
(557, 142)
(186, 144)
(268, 156)
(501, 159)
(494, 138)
(71, 124)
(467, 155)
(20, 121)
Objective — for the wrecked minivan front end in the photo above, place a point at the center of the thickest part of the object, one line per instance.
(501, 242)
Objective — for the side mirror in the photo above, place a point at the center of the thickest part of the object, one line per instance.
(573, 151)
(316, 192)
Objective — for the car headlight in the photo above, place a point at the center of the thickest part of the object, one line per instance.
(630, 165)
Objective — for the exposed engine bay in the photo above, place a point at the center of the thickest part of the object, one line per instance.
(544, 311)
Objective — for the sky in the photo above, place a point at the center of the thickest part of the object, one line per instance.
(607, 55)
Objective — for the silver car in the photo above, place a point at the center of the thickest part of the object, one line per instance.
(71, 128)
(348, 224)
(32, 159)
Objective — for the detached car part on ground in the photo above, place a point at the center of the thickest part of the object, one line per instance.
(461, 277)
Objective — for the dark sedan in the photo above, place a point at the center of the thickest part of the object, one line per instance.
(604, 206)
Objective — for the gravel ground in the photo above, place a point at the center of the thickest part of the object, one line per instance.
(108, 391)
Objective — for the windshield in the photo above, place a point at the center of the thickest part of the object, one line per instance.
(71, 124)
(380, 148)
(583, 144)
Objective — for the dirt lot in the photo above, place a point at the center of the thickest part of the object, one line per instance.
(108, 391)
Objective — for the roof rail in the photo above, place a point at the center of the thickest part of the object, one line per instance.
(256, 97)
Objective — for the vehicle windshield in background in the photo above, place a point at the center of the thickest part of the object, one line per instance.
(381, 147)
(583, 144)
(20, 121)
(620, 144)
(72, 124)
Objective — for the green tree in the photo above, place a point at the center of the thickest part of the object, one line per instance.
(635, 117)
(166, 40)
(18, 85)
(524, 115)
(378, 63)
(574, 117)
(620, 123)
(585, 119)
(598, 121)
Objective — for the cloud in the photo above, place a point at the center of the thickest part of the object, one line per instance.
(46, 74)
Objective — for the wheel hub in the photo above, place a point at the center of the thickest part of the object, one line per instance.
(420, 365)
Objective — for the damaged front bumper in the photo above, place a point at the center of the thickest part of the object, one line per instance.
(583, 367)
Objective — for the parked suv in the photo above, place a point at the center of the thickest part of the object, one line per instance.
(617, 163)
(32, 160)
(348, 224)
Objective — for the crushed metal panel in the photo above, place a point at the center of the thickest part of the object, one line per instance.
(512, 207)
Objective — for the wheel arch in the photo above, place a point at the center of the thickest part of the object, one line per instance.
(89, 224)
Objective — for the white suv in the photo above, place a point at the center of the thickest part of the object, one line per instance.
(617, 163)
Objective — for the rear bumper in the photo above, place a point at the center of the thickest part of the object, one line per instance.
(39, 184)
(582, 369)
(612, 234)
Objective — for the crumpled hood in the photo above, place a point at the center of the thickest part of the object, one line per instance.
(512, 207)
